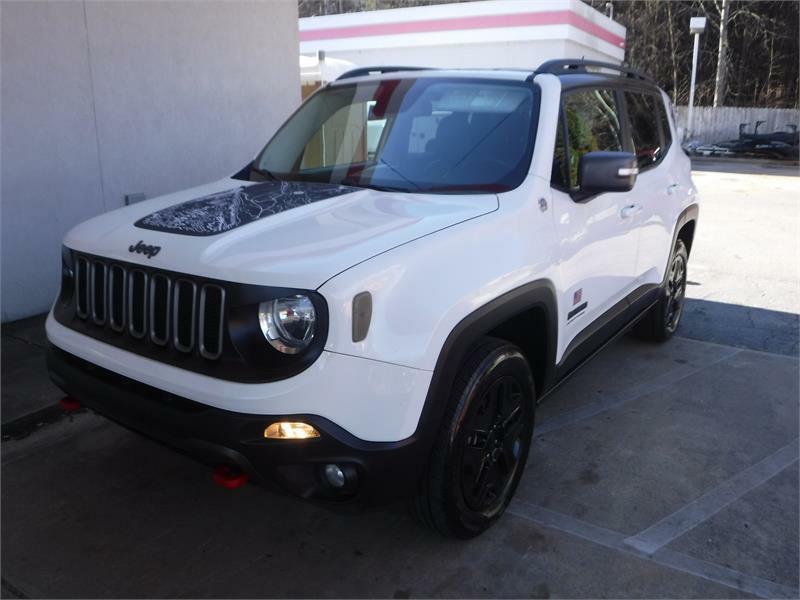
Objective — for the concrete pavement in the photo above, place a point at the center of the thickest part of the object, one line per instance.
(25, 387)
(744, 272)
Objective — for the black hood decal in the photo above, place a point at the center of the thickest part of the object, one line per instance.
(223, 211)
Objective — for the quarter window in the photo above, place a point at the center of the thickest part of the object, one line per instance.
(593, 124)
(559, 176)
(643, 115)
(341, 138)
(666, 133)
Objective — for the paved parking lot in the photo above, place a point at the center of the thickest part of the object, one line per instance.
(658, 471)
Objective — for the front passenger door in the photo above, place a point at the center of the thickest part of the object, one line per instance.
(598, 236)
(656, 186)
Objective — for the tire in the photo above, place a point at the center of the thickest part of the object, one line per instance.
(483, 444)
(662, 320)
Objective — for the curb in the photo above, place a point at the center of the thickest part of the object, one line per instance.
(23, 426)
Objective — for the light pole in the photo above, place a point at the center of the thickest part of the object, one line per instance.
(696, 26)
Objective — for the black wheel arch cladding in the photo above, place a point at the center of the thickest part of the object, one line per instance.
(539, 295)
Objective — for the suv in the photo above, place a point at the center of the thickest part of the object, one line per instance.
(372, 308)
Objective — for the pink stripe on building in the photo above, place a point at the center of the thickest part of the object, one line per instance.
(554, 17)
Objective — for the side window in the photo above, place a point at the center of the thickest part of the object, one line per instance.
(593, 123)
(643, 115)
(559, 177)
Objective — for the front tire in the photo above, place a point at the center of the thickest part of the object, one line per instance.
(662, 320)
(482, 447)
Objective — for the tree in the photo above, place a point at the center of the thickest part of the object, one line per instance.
(748, 54)
(722, 53)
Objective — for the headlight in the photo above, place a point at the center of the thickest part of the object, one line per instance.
(288, 323)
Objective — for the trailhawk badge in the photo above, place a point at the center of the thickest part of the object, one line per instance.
(147, 250)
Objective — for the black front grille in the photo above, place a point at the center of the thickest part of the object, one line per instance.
(151, 306)
(195, 323)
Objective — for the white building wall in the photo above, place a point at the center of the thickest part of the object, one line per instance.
(513, 55)
(493, 33)
(103, 99)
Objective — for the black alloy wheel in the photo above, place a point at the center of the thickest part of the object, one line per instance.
(662, 320)
(482, 447)
(676, 291)
(492, 444)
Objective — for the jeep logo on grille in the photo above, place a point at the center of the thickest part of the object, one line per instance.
(147, 250)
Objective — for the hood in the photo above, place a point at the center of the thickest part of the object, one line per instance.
(288, 234)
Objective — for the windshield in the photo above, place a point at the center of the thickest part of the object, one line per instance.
(410, 135)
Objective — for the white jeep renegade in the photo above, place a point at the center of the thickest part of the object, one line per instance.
(372, 308)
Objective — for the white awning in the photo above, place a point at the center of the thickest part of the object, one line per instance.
(313, 70)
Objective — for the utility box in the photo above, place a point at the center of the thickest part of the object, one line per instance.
(697, 25)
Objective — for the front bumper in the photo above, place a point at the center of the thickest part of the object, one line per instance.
(372, 400)
(384, 470)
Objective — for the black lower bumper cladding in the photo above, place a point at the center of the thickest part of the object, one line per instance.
(385, 471)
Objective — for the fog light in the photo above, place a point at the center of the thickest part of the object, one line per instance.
(334, 475)
(287, 430)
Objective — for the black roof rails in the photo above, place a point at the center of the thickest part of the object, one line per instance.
(361, 71)
(565, 66)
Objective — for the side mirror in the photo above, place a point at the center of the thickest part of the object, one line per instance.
(600, 172)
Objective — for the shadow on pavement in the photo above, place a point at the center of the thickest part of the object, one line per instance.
(746, 167)
(741, 326)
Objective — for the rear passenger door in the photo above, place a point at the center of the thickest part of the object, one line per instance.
(598, 236)
(656, 189)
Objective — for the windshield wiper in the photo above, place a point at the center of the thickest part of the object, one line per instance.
(384, 162)
(265, 173)
(380, 187)
(469, 188)
(373, 186)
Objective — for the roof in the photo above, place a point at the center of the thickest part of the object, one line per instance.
(381, 73)
(595, 79)
(572, 73)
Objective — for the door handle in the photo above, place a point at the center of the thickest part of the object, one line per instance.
(630, 210)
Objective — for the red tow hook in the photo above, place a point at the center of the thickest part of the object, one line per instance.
(230, 477)
(69, 404)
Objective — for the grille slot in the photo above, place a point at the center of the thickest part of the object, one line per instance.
(99, 292)
(212, 307)
(160, 289)
(137, 303)
(117, 279)
(160, 309)
(82, 291)
(183, 314)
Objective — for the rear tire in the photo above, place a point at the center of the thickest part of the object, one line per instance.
(662, 320)
(482, 447)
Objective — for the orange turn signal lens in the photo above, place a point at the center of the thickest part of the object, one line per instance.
(287, 430)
